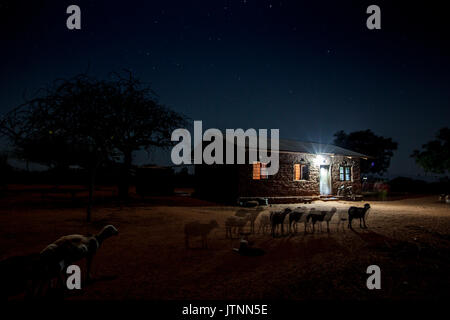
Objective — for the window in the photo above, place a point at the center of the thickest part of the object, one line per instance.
(297, 172)
(348, 174)
(264, 171)
(345, 173)
(301, 172)
(259, 171)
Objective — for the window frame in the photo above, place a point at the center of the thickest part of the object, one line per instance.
(261, 171)
(300, 166)
(343, 174)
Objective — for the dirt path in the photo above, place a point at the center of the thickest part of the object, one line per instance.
(408, 239)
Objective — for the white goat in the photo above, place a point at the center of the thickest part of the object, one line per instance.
(251, 215)
(264, 223)
(197, 229)
(295, 217)
(72, 248)
(236, 224)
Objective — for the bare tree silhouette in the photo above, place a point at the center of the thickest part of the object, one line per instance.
(84, 121)
(139, 122)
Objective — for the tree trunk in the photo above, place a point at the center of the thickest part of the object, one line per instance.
(91, 194)
(124, 183)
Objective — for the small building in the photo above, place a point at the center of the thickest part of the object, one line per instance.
(306, 169)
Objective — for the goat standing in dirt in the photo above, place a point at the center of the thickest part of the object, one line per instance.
(295, 217)
(322, 216)
(342, 217)
(72, 248)
(358, 213)
(197, 229)
(277, 219)
(235, 224)
(264, 222)
(251, 216)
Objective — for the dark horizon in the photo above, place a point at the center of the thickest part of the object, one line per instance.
(308, 69)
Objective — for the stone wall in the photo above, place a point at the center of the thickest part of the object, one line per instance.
(356, 175)
(283, 183)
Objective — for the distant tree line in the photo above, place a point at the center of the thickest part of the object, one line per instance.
(378, 148)
(435, 155)
(90, 122)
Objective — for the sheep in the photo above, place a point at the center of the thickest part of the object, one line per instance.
(53, 263)
(251, 215)
(342, 217)
(328, 216)
(236, 223)
(314, 216)
(197, 229)
(323, 216)
(264, 222)
(358, 213)
(72, 248)
(277, 218)
(295, 217)
(304, 219)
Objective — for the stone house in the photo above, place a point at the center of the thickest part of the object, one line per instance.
(306, 169)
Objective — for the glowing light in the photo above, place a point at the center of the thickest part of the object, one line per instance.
(319, 160)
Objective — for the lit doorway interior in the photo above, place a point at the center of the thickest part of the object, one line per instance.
(325, 180)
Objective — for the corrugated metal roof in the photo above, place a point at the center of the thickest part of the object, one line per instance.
(316, 148)
(288, 145)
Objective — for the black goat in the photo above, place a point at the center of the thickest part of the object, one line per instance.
(358, 213)
(277, 218)
(294, 218)
(321, 216)
(315, 217)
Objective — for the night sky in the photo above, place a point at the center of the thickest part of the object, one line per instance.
(307, 69)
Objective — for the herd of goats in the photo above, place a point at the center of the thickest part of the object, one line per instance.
(275, 221)
(34, 273)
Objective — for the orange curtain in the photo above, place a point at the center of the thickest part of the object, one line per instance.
(256, 170)
(297, 172)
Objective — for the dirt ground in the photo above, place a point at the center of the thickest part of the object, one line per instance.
(408, 239)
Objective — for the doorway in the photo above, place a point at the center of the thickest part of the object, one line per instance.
(325, 180)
